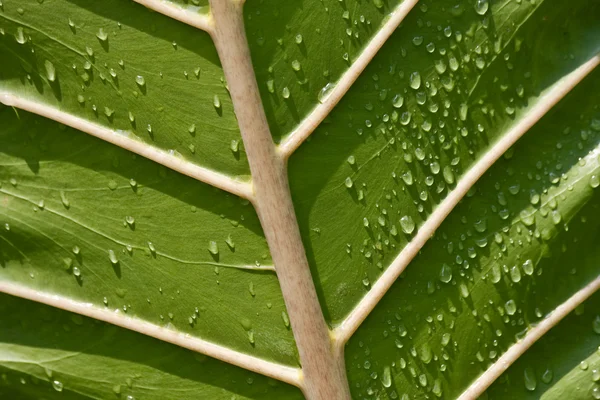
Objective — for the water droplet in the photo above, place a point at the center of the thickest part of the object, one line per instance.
(285, 93)
(230, 242)
(547, 376)
(398, 101)
(298, 39)
(515, 274)
(50, 71)
(113, 257)
(528, 267)
(481, 6)
(65, 201)
(386, 377)
(213, 248)
(20, 36)
(348, 182)
(530, 379)
(594, 181)
(407, 224)
(448, 175)
(286, 319)
(152, 248)
(425, 353)
(101, 35)
(141, 81)
(510, 307)
(216, 102)
(324, 92)
(57, 385)
(446, 273)
(480, 226)
(415, 80)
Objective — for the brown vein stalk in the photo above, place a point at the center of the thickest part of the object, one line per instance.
(324, 375)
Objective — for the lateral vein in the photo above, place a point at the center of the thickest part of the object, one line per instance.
(321, 111)
(159, 156)
(276, 371)
(516, 350)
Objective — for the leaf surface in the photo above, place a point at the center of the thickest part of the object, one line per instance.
(90, 227)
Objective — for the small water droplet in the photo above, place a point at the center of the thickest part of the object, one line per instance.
(113, 257)
(325, 92)
(50, 71)
(415, 80)
(141, 81)
(213, 248)
(530, 379)
(57, 385)
(528, 267)
(386, 377)
(510, 307)
(102, 35)
(20, 36)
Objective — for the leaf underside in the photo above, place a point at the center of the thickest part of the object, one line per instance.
(90, 222)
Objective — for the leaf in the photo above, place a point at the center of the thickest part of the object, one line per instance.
(172, 227)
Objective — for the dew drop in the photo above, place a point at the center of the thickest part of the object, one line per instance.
(386, 378)
(216, 102)
(515, 274)
(407, 224)
(141, 81)
(213, 247)
(415, 80)
(57, 385)
(113, 257)
(510, 307)
(65, 201)
(102, 35)
(528, 267)
(324, 92)
(20, 36)
(50, 71)
(446, 273)
(530, 379)
(398, 101)
(481, 6)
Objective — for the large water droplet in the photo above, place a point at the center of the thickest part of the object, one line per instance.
(325, 92)
(415, 80)
(530, 379)
(481, 6)
(407, 224)
(386, 378)
(511, 307)
(50, 71)
(446, 273)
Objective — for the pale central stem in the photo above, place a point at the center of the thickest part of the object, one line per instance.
(324, 374)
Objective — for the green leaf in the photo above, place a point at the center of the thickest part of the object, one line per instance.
(425, 211)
